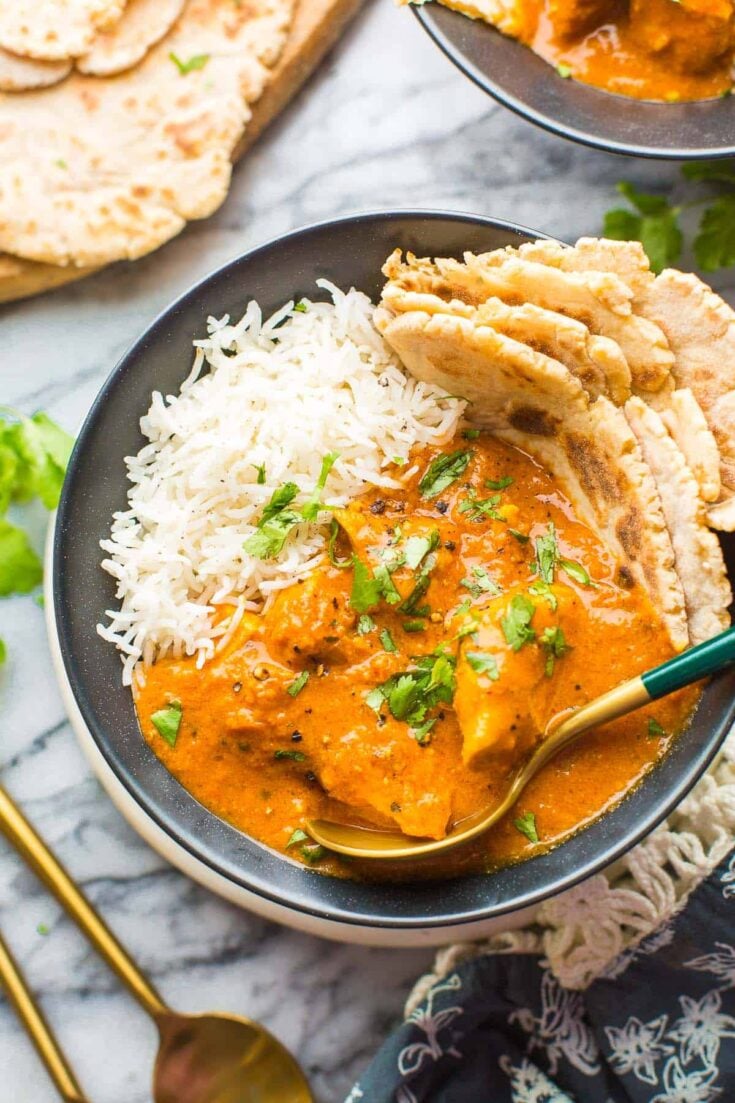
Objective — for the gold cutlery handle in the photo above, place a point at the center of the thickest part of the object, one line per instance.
(34, 851)
(38, 1029)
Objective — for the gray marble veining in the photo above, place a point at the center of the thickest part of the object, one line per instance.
(387, 121)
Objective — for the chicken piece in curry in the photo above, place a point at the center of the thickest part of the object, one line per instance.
(667, 50)
(401, 681)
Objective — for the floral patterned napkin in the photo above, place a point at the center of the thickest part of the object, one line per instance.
(658, 1026)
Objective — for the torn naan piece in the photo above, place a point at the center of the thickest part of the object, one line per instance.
(144, 24)
(597, 362)
(118, 165)
(599, 300)
(684, 418)
(699, 561)
(533, 402)
(55, 30)
(626, 259)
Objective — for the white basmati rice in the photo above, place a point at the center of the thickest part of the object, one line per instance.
(280, 393)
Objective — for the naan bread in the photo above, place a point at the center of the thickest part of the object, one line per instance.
(144, 24)
(533, 402)
(22, 74)
(104, 169)
(55, 30)
(684, 418)
(699, 562)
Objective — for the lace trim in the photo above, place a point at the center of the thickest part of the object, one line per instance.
(581, 931)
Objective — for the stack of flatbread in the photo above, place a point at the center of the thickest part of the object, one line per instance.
(120, 119)
(619, 382)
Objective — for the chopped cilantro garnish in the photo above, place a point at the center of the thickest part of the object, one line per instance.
(555, 645)
(198, 61)
(414, 626)
(412, 694)
(418, 547)
(387, 641)
(312, 506)
(167, 722)
(313, 854)
(366, 591)
(547, 553)
(300, 307)
(422, 734)
(480, 583)
(654, 728)
(483, 664)
(386, 585)
(516, 623)
(498, 484)
(526, 824)
(294, 688)
(343, 564)
(481, 507)
(521, 537)
(576, 571)
(365, 624)
(374, 699)
(542, 589)
(293, 756)
(20, 567)
(298, 836)
(421, 585)
(260, 468)
(470, 434)
(443, 471)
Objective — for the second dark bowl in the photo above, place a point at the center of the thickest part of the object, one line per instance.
(517, 77)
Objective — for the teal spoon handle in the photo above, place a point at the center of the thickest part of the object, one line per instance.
(698, 662)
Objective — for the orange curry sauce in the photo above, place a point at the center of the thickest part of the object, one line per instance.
(669, 50)
(264, 758)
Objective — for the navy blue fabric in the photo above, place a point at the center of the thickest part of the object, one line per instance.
(659, 1027)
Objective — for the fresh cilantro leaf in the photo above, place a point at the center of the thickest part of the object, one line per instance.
(414, 626)
(375, 698)
(313, 854)
(521, 537)
(443, 471)
(542, 589)
(575, 571)
(365, 624)
(386, 585)
(366, 590)
(311, 509)
(714, 244)
(269, 539)
(481, 507)
(516, 624)
(3, 651)
(421, 585)
(654, 728)
(343, 564)
(547, 554)
(298, 836)
(655, 225)
(526, 824)
(422, 733)
(483, 664)
(41, 451)
(387, 641)
(555, 645)
(480, 583)
(418, 547)
(280, 498)
(260, 468)
(720, 171)
(411, 694)
(499, 484)
(470, 434)
(293, 756)
(20, 567)
(198, 61)
(300, 307)
(167, 722)
(294, 688)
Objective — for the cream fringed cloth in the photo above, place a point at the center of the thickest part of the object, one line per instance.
(582, 931)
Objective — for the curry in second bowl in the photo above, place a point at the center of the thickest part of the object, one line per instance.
(371, 551)
(664, 50)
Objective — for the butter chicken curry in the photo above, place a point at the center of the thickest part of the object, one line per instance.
(666, 50)
(401, 681)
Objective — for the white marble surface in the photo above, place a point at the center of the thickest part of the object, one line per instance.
(387, 121)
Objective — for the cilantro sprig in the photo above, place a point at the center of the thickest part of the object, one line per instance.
(411, 694)
(34, 452)
(277, 520)
(656, 222)
(443, 471)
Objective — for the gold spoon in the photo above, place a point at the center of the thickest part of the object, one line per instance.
(201, 1058)
(698, 662)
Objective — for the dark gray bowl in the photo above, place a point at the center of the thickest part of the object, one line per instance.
(520, 79)
(350, 252)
